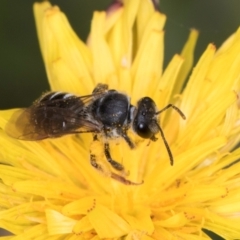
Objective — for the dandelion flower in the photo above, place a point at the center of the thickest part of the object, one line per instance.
(49, 190)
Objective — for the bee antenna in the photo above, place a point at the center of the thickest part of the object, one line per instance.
(166, 144)
(174, 107)
(161, 131)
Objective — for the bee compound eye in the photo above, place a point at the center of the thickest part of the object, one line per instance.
(143, 130)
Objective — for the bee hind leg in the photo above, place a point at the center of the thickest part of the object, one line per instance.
(114, 176)
(124, 180)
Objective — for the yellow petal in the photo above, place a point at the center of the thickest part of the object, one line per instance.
(222, 225)
(82, 226)
(145, 12)
(50, 189)
(188, 55)
(147, 72)
(176, 221)
(54, 30)
(103, 69)
(117, 226)
(141, 220)
(167, 82)
(79, 207)
(197, 79)
(58, 223)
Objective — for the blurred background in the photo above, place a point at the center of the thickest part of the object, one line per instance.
(22, 73)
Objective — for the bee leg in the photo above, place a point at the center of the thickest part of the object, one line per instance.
(94, 163)
(93, 157)
(127, 139)
(113, 175)
(116, 165)
(153, 138)
(95, 137)
(124, 180)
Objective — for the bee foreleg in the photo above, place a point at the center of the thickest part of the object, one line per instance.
(127, 139)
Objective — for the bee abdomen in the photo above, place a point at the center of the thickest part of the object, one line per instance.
(51, 96)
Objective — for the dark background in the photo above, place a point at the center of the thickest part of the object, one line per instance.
(22, 73)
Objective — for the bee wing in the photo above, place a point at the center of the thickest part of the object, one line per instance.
(53, 118)
(20, 127)
(24, 126)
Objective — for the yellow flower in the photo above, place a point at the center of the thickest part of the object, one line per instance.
(49, 190)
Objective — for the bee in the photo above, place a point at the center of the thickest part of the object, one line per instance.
(105, 113)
